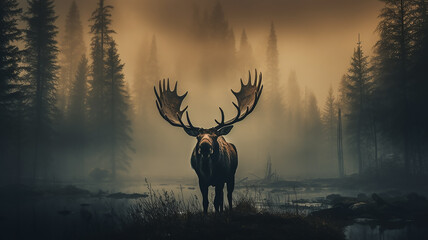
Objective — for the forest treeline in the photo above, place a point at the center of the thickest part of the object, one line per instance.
(58, 109)
(66, 110)
(383, 97)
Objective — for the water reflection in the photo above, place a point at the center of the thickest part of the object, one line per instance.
(409, 231)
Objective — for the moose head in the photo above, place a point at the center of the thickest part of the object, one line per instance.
(213, 159)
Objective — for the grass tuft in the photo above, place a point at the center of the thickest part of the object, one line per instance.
(165, 215)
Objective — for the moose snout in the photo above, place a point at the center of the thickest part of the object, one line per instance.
(205, 149)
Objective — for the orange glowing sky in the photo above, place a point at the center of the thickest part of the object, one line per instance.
(315, 38)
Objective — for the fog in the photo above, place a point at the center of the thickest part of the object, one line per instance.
(315, 41)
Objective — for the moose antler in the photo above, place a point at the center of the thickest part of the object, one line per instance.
(169, 102)
(247, 99)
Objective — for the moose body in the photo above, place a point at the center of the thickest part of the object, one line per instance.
(215, 170)
(214, 160)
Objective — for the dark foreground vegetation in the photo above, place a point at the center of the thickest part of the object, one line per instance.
(69, 212)
(240, 224)
(163, 216)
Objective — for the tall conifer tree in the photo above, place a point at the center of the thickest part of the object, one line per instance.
(329, 119)
(357, 90)
(271, 77)
(101, 37)
(9, 52)
(72, 49)
(10, 87)
(41, 68)
(77, 117)
(395, 56)
(120, 124)
(245, 54)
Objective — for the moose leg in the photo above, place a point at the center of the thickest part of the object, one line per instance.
(221, 198)
(204, 191)
(230, 188)
(218, 199)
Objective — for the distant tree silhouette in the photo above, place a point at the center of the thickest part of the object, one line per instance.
(72, 48)
(312, 132)
(41, 67)
(77, 117)
(313, 115)
(272, 61)
(245, 54)
(218, 25)
(101, 37)
(271, 78)
(329, 120)
(357, 90)
(11, 98)
(9, 53)
(120, 124)
(294, 102)
(217, 43)
(153, 70)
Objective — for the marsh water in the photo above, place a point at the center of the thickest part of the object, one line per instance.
(70, 216)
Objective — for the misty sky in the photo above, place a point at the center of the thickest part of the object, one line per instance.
(315, 38)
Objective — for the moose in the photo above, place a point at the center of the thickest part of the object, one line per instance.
(214, 160)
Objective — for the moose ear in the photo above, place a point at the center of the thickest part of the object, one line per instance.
(192, 131)
(224, 130)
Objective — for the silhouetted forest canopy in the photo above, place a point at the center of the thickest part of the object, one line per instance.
(69, 112)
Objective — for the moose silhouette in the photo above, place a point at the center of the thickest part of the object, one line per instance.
(214, 160)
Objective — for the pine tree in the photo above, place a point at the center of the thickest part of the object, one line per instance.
(312, 132)
(271, 78)
(41, 68)
(357, 88)
(100, 29)
(77, 116)
(72, 48)
(222, 39)
(217, 45)
(10, 87)
(329, 120)
(272, 103)
(9, 53)
(245, 54)
(218, 25)
(418, 88)
(313, 115)
(77, 109)
(272, 60)
(152, 64)
(120, 125)
(294, 102)
(101, 19)
(395, 55)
